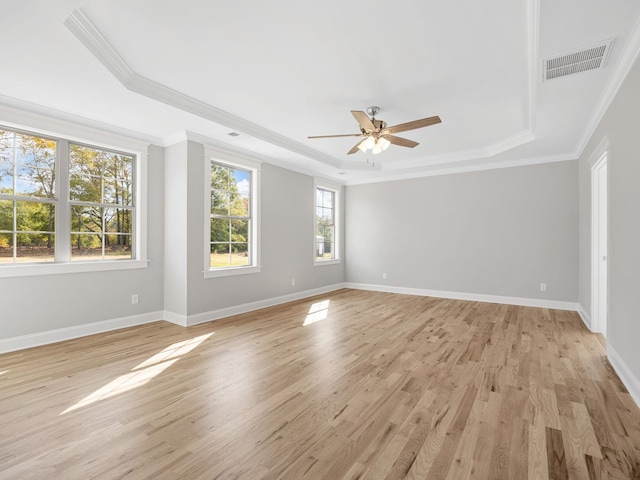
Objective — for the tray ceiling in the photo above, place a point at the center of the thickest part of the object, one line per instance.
(277, 72)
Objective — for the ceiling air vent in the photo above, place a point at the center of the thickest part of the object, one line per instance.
(582, 60)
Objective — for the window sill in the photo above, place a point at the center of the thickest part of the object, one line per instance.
(228, 272)
(23, 270)
(333, 261)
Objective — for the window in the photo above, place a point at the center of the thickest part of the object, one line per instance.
(326, 225)
(101, 201)
(231, 222)
(63, 202)
(27, 198)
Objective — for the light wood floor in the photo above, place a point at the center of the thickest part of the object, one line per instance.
(375, 386)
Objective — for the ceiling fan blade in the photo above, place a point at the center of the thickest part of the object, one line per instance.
(355, 147)
(403, 142)
(337, 136)
(403, 127)
(363, 120)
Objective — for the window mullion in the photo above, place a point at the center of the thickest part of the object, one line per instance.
(63, 209)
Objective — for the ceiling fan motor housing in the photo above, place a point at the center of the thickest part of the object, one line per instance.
(379, 124)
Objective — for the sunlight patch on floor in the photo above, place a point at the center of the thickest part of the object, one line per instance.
(141, 374)
(317, 312)
(6, 371)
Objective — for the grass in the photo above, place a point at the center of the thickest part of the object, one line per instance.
(44, 254)
(222, 260)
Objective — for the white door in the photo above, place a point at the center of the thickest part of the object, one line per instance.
(599, 246)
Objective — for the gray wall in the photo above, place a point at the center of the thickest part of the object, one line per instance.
(498, 232)
(621, 124)
(36, 304)
(286, 239)
(175, 228)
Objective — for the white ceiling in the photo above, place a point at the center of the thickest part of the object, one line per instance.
(279, 71)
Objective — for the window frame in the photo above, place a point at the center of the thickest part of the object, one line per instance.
(220, 157)
(337, 230)
(65, 133)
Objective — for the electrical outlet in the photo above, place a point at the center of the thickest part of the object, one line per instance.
(293, 282)
(134, 299)
(384, 276)
(543, 287)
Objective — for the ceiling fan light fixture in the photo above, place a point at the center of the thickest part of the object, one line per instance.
(368, 144)
(384, 143)
(377, 136)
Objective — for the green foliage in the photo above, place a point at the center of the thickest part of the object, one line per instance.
(27, 163)
(230, 213)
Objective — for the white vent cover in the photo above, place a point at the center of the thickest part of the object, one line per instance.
(581, 60)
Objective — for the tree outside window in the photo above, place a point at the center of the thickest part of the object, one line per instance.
(27, 198)
(101, 197)
(230, 217)
(42, 219)
(325, 224)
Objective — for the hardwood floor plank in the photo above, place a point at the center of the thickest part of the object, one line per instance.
(386, 386)
(557, 461)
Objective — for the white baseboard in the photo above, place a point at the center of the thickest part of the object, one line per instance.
(584, 316)
(176, 318)
(474, 297)
(58, 335)
(624, 372)
(248, 307)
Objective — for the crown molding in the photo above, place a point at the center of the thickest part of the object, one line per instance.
(87, 33)
(448, 170)
(533, 23)
(29, 116)
(520, 138)
(621, 70)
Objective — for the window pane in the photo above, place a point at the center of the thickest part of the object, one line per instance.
(36, 182)
(86, 219)
(220, 255)
(219, 202)
(86, 246)
(118, 220)
(85, 188)
(327, 201)
(220, 230)
(118, 166)
(6, 146)
(27, 187)
(239, 230)
(219, 177)
(35, 151)
(117, 247)
(241, 181)
(85, 161)
(320, 253)
(325, 216)
(6, 215)
(239, 254)
(117, 191)
(230, 199)
(34, 247)
(324, 242)
(6, 248)
(240, 206)
(6, 178)
(35, 217)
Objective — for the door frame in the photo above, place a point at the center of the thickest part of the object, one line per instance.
(599, 221)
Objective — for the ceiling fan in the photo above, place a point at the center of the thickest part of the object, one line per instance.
(377, 136)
